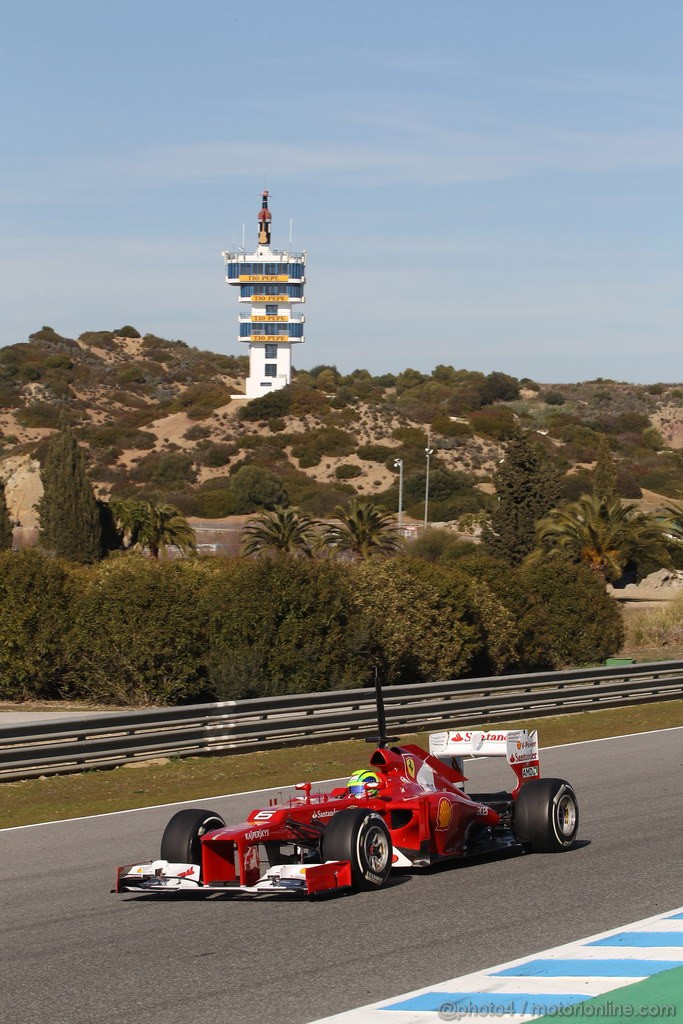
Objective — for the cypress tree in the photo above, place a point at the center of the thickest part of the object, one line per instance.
(605, 473)
(5, 521)
(69, 518)
(527, 488)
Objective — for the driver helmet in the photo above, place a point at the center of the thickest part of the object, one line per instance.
(356, 786)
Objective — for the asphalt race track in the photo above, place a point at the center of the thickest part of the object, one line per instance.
(74, 954)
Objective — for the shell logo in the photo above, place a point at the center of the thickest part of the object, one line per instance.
(410, 767)
(444, 814)
(519, 745)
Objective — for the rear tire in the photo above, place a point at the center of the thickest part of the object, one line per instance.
(181, 842)
(547, 815)
(362, 838)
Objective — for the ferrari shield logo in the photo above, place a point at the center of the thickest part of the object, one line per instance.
(410, 767)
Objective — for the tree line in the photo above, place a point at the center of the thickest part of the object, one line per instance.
(311, 605)
(135, 630)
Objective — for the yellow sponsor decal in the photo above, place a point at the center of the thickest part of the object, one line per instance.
(270, 318)
(410, 767)
(269, 298)
(264, 277)
(267, 337)
(444, 814)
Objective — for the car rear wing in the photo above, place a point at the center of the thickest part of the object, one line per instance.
(518, 746)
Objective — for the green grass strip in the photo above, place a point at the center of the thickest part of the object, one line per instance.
(163, 781)
(656, 998)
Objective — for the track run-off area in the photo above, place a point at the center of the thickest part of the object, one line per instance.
(74, 954)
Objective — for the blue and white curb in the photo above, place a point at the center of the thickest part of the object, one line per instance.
(544, 983)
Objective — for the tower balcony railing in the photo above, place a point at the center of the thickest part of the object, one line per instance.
(279, 299)
(274, 339)
(273, 256)
(270, 318)
(256, 279)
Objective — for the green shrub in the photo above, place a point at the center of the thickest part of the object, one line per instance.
(310, 447)
(438, 545)
(653, 439)
(40, 414)
(113, 436)
(347, 471)
(215, 454)
(216, 504)
(197, 432)
(424, 401)
(567, 617)
(411, 437)
(309, 402)
(171, 470)
(375, 452)
(409, 379)
(138, 636)
(35, 598)
(50, 336)
(497, 422)
(446, 427)
(574, 485)
(133, 373)
(200, 400)
(254, 487)
(265, 407)
(306, 637)
(126, 332)
(59, 361)
(419, 619)
(499, 387)
(553, 397)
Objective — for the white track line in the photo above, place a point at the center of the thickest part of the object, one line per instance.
(507, 992)
(322, 782)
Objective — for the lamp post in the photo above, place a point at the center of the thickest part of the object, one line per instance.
(428, 452)
(398, 463)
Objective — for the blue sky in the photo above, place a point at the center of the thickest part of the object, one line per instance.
(486, 183)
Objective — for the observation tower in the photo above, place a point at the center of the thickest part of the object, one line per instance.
(271, 282)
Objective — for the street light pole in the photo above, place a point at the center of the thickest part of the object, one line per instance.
(428, 452)
(398, 463)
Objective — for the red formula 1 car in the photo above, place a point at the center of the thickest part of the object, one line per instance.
(412, 812)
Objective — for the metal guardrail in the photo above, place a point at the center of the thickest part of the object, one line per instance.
(229, 727)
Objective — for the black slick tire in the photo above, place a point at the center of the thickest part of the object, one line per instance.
(361, 837)
(181, 842)
(546, 815)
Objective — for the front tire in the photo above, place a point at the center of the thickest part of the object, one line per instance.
(181, 842)
(362, 838)
(547, 815)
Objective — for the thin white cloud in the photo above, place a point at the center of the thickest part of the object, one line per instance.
(418, 154)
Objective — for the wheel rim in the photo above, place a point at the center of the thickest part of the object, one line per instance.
(209, 825)
(566, 815)
(376, 849)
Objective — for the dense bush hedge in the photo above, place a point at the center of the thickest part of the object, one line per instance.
(36, 596)
(136, 631)
(135, 634)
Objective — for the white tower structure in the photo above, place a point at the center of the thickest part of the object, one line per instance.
(271, 282)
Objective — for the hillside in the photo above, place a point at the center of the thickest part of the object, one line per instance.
(157, 420)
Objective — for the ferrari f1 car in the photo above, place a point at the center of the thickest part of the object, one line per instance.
(413, 811)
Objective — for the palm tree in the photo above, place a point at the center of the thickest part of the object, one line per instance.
(154, 528)
(603, 534)
(361, 530)
(285, 530)
(674, 521)
(127, 515)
